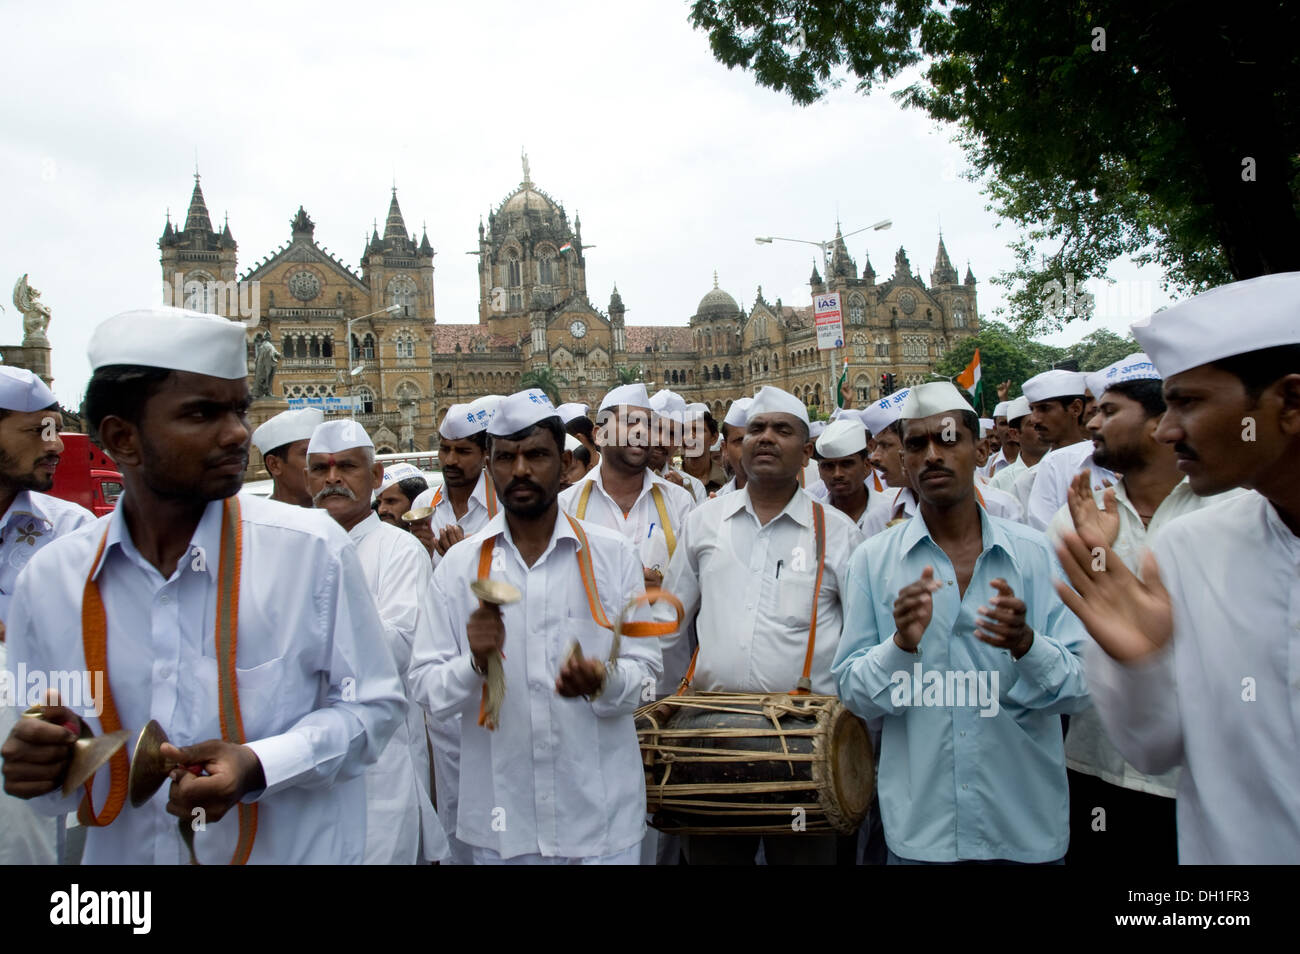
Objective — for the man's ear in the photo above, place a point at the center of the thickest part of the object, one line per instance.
(274, 466)
(120, 439)
(1289, 412)
(377, 472)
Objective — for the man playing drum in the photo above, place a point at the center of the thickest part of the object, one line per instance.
(748, 562)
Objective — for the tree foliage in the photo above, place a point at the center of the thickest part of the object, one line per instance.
(546, 380)
(627, 375)
(1005, 355)
(1101, 128)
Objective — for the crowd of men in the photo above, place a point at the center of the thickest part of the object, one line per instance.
(1111, 565)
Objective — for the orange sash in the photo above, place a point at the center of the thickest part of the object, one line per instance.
(94, 636)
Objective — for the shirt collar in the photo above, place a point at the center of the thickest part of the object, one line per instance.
(365, 527)
(798, 508)
(563, 530)
(206, 541)
(648, 478)
(992, 534)
(24, 503)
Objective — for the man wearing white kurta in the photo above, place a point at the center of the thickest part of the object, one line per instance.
(282, 442)
(341, 472)
(672, 414)
(318, 692)
(748, 563)
(560, 779)
(29, 453)
(622, 493)
(842, 459)
(1139, 808)
(1201, 658)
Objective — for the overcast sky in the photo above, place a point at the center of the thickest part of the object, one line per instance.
(674, 163)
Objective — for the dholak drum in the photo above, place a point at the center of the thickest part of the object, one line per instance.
(747, 763)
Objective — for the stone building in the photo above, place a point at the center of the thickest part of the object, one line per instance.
(535, 313)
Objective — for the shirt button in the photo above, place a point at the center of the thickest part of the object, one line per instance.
(963, 733)
(165, 672)
(164, 600)
(964, 787)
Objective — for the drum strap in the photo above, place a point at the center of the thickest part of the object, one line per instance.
(804, 686)
(94, 635)
(585, 497)
(598, 615)
(490, 491)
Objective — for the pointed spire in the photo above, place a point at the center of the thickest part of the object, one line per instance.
(615, 300)
(197, 218)
(868, 273)
(943, 273)
(395, 228)
(815, 278)
(425, 247)
(227, 238)
(841, 265)
(715, 278)
(970, 276)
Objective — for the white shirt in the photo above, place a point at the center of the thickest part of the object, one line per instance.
(642, 525)
(1005, 479)
(1223, 701)
(728, 488)
(476, 511)
(691, 484)
(398, 808)
(319, 693)
(1087, 748)
(559, 777)
(32, 520)
(1052, 485)
(27, 837)
(1024, 484)
(759, 581)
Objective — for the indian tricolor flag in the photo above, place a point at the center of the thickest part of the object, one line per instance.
(970, 378)
(566, 247)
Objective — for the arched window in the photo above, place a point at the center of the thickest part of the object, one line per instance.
(367, 397)
(314, 347)
(545, 269)
(717, 375)
(857, 310)
(512, 269)
(776, 362)
(726, 372)
(327, 347)
(197, 285)
(286, 348)
(405, 344)
(368, 347)
(402, 292)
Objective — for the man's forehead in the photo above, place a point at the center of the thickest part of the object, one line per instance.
(850, 461)
(461, 445)
(352, 453)
(933, 424)
(188, 385)
(772, 418)
(538, 438)
(1203, 377)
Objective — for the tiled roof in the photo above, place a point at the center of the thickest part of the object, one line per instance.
(446, 337)
(640, 337)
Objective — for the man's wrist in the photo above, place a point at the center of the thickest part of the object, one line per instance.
(898, 641)
(1026, 643)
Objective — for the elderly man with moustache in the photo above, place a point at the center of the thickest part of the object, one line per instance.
(280, 705)
(282, 442)
(1196, 661)
(401, 825)
(954, 638)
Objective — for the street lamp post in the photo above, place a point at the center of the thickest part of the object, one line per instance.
(826, 270)
(354, 371)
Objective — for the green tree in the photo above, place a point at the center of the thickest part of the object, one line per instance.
(547, 380)
(1100, 349)
(1005, 355)
(625, 375)
(1101, 128)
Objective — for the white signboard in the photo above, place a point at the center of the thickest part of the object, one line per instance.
(327, 404)
(828, 321)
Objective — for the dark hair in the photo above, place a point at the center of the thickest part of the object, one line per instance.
(412, 487)
(1065, 403)
(1148, 393)
(4, 412)
(581, 426)
(281, 452)
(552, 425)
(710, 423)
(1258, 369)
(582, 455)
(119, 390)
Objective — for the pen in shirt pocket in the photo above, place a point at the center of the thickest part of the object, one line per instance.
(779, 564)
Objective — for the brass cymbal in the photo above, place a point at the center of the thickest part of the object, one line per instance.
(89, 752)
(148, 767)
(419, 513)
(498, 592)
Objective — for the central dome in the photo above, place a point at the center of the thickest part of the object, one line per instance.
(528, 198)
(717, 302)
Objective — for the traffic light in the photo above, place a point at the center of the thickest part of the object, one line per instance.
(886, 383)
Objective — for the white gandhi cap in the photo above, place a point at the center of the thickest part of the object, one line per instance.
(174, 339)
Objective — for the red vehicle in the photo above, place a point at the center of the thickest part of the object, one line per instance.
(86, 475)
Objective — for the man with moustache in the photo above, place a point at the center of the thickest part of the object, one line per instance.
(701, 433)
(29, 454)
(733, 434)
(1195, 664)
(884, 448)
(1057, 402)
(749, 563)
(960, 601)
(560, 779)
(1128, 517)
(669, 420)
(622, 493)
(341, 473)
(315, 695)
(401, 486)
(282, 442)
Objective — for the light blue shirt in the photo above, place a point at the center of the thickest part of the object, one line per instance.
(971, 761)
